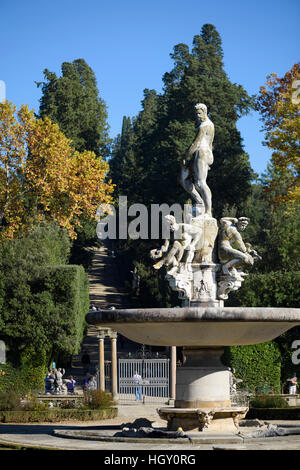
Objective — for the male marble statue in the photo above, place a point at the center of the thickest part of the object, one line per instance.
(194, 172)
(234, 254)
(190, 237)
(229, 235)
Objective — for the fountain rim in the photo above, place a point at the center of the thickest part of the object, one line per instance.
(195, 314)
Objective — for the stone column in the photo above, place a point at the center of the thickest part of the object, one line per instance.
(101, 338)
(173, 374)
(114, 376)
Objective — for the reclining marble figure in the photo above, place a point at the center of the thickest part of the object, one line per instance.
(190, 237)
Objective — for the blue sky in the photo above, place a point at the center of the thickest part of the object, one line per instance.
(127, 44)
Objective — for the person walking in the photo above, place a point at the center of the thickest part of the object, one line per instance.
(293, 384)
(137, 380)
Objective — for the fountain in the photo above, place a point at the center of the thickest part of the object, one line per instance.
(204, 265)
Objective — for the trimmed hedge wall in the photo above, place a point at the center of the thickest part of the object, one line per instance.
(290, 413)
(269, 363)
(54, 416)
(69, 289)
(47, 323)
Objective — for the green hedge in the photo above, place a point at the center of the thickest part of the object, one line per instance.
(51, 316)
(290, 413)
(28, 377)
(48, 323)
(10, 378)
(54, 416)
(69, 289)
(274, 289)
(257, 365)
(268, 401)
(265, 364)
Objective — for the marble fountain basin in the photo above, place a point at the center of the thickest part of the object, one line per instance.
(198, 326)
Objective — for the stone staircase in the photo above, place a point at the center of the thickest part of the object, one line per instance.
(106, 290)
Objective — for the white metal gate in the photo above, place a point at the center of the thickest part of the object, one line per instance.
(155, 379)
(107, 372)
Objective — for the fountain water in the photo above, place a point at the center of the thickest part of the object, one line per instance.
(203, 265)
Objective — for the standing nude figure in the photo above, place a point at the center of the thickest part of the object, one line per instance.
(194, 174)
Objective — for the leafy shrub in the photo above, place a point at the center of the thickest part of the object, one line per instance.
(97, 399)
(34, 404)
(274, 289)
(28, 377)
(10, 378)
(268, 401)
(70, 404)
(261, 363)
(10, 401)
(32, 370)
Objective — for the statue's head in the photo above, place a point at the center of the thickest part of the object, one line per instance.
(242, 223)
(201, 111)
(172, 222)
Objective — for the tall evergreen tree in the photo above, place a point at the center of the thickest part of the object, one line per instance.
(165, 128)
(122, 163)
(146, 159)
(73, 102)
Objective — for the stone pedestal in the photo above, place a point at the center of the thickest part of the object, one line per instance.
(202, 381)
(209, 229)
(203, 286)
(203, 395)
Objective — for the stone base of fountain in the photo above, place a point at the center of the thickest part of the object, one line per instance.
(205, 420)
(203, 394)
(202, 406)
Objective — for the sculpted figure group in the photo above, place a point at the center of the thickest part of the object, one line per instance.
(178, 254)
(174, 253)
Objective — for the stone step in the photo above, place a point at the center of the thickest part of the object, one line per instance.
(106, 290)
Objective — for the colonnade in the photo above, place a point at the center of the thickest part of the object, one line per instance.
(103, 332)
(112, 335)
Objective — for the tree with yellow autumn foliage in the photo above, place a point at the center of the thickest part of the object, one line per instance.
(43, 177)
(279, 105)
